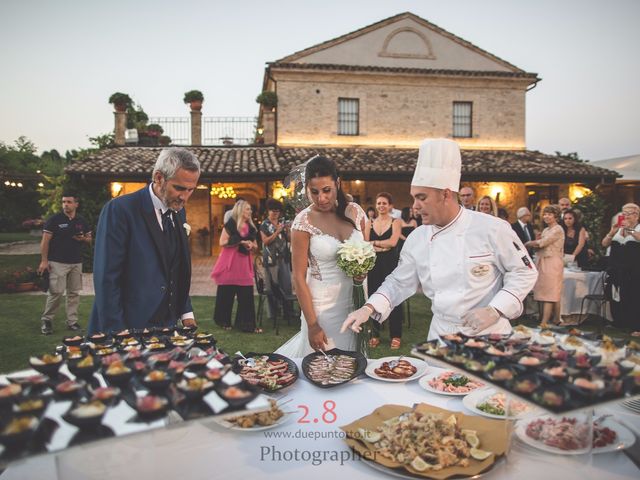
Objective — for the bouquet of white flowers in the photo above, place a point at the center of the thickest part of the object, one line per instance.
(356, 258)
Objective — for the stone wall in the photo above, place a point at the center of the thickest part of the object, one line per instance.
(398, 110)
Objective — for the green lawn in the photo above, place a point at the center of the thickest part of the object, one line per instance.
(19, 262)
(21, 338)
(20, 325)
(9, 237)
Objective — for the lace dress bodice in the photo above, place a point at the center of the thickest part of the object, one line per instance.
(323, 248)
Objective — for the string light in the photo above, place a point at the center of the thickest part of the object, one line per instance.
(223, 191)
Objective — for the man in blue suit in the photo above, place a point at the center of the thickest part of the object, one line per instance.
(142, 263)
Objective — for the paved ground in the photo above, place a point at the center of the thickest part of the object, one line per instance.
(201, 283)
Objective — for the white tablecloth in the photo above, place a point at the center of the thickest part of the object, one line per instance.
(577, 284)
(203, 450)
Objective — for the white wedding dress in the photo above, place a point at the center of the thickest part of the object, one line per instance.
(331, 289)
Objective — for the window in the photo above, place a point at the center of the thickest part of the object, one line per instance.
(462, 119)
(348, 116)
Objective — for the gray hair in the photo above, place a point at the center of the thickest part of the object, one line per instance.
(522, 211)
(173, 158)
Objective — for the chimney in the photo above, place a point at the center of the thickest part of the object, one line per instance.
(196, 127)
(120, 126)
(269, 125)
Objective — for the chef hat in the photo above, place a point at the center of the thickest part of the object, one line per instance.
(438, 165)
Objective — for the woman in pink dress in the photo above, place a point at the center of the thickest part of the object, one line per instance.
(233, 271)
(548, 288)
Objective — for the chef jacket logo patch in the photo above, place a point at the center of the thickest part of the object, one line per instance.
(481, 270)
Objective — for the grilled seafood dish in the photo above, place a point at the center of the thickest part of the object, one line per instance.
(396, 369)
(269, 374)
(337, 369)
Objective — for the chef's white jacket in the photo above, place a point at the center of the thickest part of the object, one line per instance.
(474, 261)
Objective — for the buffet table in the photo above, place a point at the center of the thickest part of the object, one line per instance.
(203, 449)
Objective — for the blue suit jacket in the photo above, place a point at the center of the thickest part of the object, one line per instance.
(130, 271)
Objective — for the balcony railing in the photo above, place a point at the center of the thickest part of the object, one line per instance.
(215, 130)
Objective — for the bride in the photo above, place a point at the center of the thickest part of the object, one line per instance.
(323, 290)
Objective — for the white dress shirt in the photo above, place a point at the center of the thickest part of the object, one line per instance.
(159, 207)
(474, 261)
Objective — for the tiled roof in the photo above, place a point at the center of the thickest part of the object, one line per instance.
(271, 162)
(414, 71)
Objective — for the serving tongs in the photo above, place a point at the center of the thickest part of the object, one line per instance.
(329, 359)
(394, 363)
(249, 362)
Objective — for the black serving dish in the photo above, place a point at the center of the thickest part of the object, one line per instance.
(107, 395)
(553, 397)
(291, 371)
(248, 391)
(118, 379)
(9, 393)
(98, 338)
(502, 374)
(157, 385)
(19, 439)
(360, 367)
(85, 422)
(525, 384)
(48, 369)
(32, 405)
(146, 414)
(69, 389)
(84, 372)
(74, 341)
(195, 388)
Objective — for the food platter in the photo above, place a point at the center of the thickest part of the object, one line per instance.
(427, 379)
(427, 442)
(355, 362)
(269, 371)
(476, 398)
(624, 439)
(395, 363)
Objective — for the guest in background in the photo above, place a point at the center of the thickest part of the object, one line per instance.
(575, 238)
(564, 204)
(503, 214)
(548, 288)
(623, 286)
(408, 224)
(416, 216)
(276, 261)
(487, 205)
(384, 233)
(371, 213)
(467, 198)
(523, 227)
(233, 271)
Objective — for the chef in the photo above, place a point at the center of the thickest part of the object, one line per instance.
(471, 265)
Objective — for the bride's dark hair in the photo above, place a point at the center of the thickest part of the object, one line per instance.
(320, 166)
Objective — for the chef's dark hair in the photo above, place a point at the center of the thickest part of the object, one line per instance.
(320, 166)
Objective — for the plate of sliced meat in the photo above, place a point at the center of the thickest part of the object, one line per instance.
(332, 368)
(270, 371)
(396, 369)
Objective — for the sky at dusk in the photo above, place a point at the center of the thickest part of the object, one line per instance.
(61, 60)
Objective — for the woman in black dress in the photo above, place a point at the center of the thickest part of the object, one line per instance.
(384, 232)
(623, 284)
(575, 238)
(408, 224)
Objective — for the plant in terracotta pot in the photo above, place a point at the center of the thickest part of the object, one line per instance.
(195, 99)
(164, 140)
(120, 101)
(267, 99)
(154, 130)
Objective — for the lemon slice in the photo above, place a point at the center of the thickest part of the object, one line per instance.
(479, 454)
(472, 439)
(368, 435)
(466, 431)
(419, 464)
(451, 420)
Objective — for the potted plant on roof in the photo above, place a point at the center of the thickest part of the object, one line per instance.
(195, 99)
(268, 100)
(164, 140)
(150, 136)
(120, 101)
